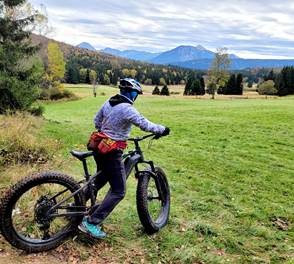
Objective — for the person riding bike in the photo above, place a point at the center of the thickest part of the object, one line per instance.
(114, 121)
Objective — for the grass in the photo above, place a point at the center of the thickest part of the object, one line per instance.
(230, 167)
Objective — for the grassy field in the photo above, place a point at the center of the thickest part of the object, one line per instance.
(230, 167)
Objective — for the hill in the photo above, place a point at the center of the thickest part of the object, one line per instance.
(70, 50)
(110, 68)
(132, 54)
(237, 64)
(178, 54)
(184, 53)
(86, 45)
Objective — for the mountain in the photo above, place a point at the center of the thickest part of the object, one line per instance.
(86, 45)
(179, 54)
(183, 53)
(237, 64)
(131, 54)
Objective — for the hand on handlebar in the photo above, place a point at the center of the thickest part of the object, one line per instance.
(164, 133)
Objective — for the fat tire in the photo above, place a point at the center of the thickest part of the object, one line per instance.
(16, 191)
(142, 202)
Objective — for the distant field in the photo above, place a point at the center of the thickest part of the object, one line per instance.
(83, 90)
(230, 164)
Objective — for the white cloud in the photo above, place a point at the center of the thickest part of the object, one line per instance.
(244, 26)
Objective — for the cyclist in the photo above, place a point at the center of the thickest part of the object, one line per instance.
(114, 121)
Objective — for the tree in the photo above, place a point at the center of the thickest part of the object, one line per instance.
(202, 82)
(239, 84)
(56, 65)
(93, 77)
(148, 82)
(197, 88)
(188, 86)
(270, 76)
(164, 90)
(20, 75)
(126, 72)
(230, 87)
(106, 79)
(72, 74)
(83, 75)
(133, 73)
(285, 81)
(218, 73)
(267, 88)
(156, 91)
(162, 81)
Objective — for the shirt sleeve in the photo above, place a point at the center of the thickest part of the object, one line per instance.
(144, 124)
(98, 119)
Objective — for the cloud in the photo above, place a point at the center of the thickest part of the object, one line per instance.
(248, 28)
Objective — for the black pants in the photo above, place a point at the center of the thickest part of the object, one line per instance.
(113, 171)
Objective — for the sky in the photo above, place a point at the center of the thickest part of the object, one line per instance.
(249, 29)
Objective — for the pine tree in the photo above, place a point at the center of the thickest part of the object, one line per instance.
(231, 85)
(164, 90)
(197, 87)
(239, 84)
(188, 87)
(285, 81)
(19, 76)
(271, 76)
(88, 80)
(202, 90)
(156, 91)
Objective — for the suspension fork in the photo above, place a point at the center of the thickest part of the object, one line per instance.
(151, 173)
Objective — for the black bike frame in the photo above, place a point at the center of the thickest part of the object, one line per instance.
(131, 160)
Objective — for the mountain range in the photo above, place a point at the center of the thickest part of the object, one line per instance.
(190, 57)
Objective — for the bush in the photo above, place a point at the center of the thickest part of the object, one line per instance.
(267, 88)
(156, 91)
(37, 110)
(164, 91)
(56, 94)
(44, 94)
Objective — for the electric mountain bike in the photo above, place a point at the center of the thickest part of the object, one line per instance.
(40, 211)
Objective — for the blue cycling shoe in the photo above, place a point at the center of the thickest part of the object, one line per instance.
(92, 230)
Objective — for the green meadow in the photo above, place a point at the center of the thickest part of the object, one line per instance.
(230, 165)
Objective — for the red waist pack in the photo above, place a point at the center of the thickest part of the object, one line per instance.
(100, 141)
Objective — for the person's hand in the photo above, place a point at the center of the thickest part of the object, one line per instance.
(164, 133)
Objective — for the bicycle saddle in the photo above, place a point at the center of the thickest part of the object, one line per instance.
(81, 155)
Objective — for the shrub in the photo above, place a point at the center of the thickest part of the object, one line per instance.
(37, 110)
(156, 91)
(164, 91)
(148, 82)
(267, 88)
(54, 93)
(44, 94)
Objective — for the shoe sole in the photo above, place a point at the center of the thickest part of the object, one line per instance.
(84, 230)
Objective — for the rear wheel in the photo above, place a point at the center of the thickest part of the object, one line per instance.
(24, 211)
(153, 200)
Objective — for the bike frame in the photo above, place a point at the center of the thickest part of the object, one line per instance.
(131, 160)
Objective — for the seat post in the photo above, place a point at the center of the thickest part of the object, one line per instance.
(87, 175)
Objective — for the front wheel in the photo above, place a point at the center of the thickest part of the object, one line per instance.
(24, 211)
(153, 200)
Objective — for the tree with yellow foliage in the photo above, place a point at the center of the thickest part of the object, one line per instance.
(56, 65)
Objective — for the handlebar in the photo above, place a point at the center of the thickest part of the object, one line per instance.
(137, 139)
